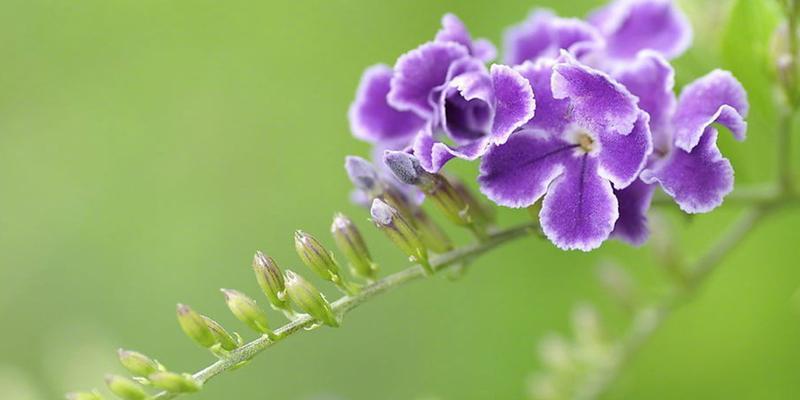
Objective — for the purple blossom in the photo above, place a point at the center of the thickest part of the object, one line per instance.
(544, 35)
(631, 26)
(687, 162)
(476, 109)
(587, 138)
(454, 30)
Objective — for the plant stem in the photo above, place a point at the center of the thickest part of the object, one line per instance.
(647, 321)
(347, 303)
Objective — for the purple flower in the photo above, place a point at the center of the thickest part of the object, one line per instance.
(476, 109)
(391, 106)
(631, 26)
(687, 162)
(544, 35)
(587, 135)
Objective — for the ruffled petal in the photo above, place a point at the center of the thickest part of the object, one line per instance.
(419, 72)
(715, 98)
(580, 209)
(551, 114)
(514, 99)
(634, 201)
(651, 78)
(698, 180)
(622, 157)
(467, 107)
(372, 119)
(433, 154)
(454, 30)
(517, 173)
(544, 35)
(630, 26)
(598, 103)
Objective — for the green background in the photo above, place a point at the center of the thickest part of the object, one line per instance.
(148, 147)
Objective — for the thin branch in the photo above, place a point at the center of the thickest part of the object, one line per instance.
(347, 303)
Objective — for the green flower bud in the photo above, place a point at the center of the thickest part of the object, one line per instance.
(93, 395)
(125, 388)
(309, 299)
(246, 310)
(350, 242)
(400, 231)
(315, 256)
(225, 339)
(270, 279)
(434, 238)
(137, 363)
(175, 383)
(195, 327)
(481, 213)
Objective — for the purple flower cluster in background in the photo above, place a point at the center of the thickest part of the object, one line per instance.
(582, 116)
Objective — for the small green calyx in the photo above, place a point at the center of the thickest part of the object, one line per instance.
(175, 383)
(401, 232)
(225, 340)
(246, 310)
(270, 279)
(195, 327)
(309, 299)
(125, 388)
(351, 243)
(137, 363)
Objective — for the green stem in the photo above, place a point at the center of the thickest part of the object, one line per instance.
(348, 303)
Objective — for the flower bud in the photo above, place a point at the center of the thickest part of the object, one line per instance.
(316, 257)
(93, 395)
(407, 169)
(225, 339)
(432, 236)
(137, 363)
(482, 214)
(270, 279)
(350, 242)
(309, 299)
(400, 231)
(175, 383)
(363, 175)
(195, 327)
(125, 388)
(246, 310)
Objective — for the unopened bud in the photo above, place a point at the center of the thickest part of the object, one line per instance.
(480, 212)
(617, 283)
(400, 231)
(309, 299)
(225, 339)
(125, 388)
(137, 363)
(351, 243)
(407, 169)
(555, 352)
(93, 395)
(432, 236)
(316, 256)
(246, 310)
(586, 325)
(175, 383)
(195, 327)
(363, 175)
(270, 279)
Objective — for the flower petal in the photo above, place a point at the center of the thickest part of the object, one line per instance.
(630, 26)
(580, 209)
(698, 180)
(517, 173)
(467, 107)
(515, 104)
(651, 78)
(372, 119)
(599, 103)
(543, 35)
(419, 72)
(717, 97)
(454, 30)
(484, 50)
(433, 155)
(622, 157)
(634, 201)
(551, 114)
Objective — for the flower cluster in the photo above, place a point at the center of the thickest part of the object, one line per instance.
(581, 115)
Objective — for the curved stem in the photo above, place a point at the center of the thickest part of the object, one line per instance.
(347, 303)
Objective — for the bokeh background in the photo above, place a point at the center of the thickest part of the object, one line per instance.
(148, 147)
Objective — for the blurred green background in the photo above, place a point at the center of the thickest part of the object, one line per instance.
(148, 147)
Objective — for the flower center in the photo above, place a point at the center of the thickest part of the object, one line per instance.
(585, 142)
